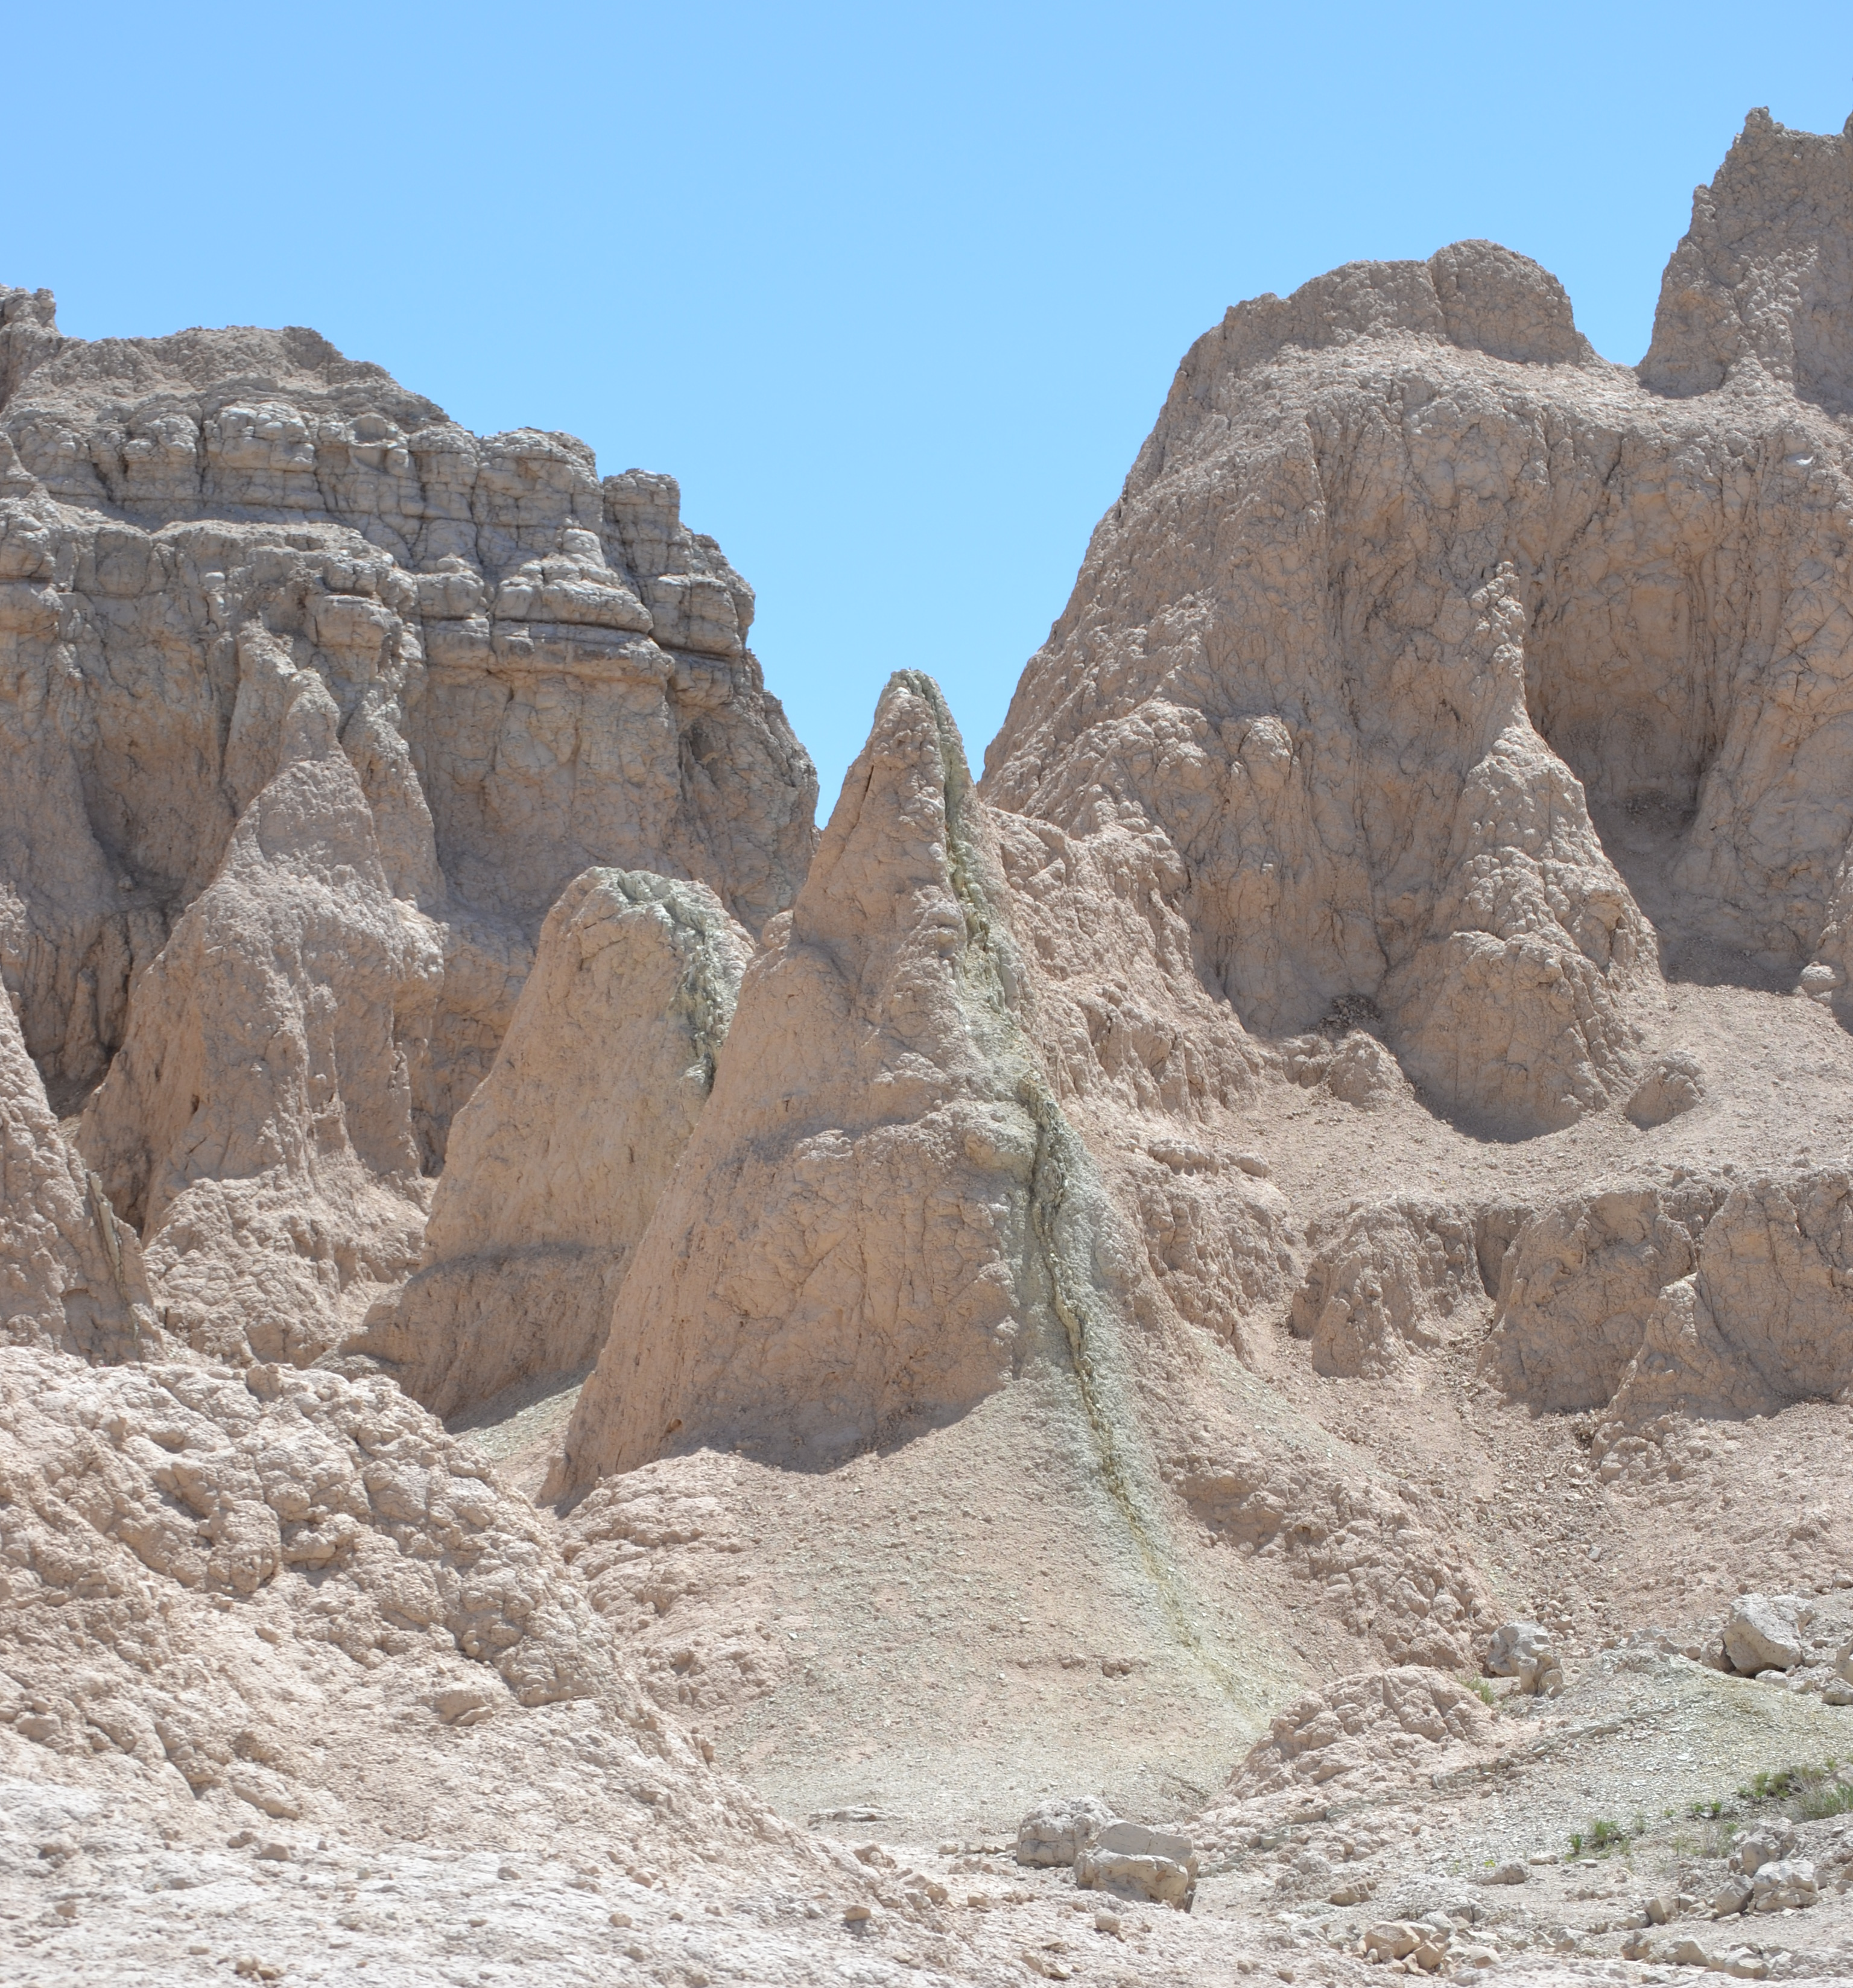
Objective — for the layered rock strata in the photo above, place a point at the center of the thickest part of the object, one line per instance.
(1106, 1281)
(303, 679)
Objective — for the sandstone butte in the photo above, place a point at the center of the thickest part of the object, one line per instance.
(599, 1385)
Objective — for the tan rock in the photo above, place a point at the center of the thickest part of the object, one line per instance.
(195, 534)
(1761, 284)
(1433, 690)
(1385, 1277)
(1413, 476)
(288, 1598)
(556, 1162)
(1579, 1284)
(467, 600)
(71, 1275)
(872, 1072)
(1766, 1316)
(1220, 1242)
(1253, 803)
(257, 1125)
(1524, 1651)
(1673, 1084)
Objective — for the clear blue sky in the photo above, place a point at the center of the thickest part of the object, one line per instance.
(895, 291)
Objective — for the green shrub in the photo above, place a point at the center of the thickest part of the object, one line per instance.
(1805, 1795)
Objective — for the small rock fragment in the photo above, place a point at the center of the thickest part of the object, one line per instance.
(1672, 1086)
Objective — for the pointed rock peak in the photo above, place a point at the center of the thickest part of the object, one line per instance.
(904, 885)
(841, 1255)
(560, 1157)
(1764, 276)
(894, 836)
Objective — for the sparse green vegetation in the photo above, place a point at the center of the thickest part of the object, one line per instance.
(1600, 1837)
(1481, 1689)
(1804, 1794)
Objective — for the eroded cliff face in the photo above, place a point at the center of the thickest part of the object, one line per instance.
(1416, 619)
(315, 703)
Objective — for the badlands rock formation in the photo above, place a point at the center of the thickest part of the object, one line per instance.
(306, 682)
(846, 1252)
(71, 1274)
(560, 1156)
(1408, 592)
(1254, 1313)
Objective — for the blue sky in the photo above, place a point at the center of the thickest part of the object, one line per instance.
(896, 291)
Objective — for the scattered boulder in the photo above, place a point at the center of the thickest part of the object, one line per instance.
(1769, 1843)
(1732, 1896)
(1838, 1688)
(1785, 1885)
(1136, 1862)
(1525, 1651)
(1413, 1941)
(1739, 1962)
(1764, 1632)
(1353, 1065)
(1056, 1832)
